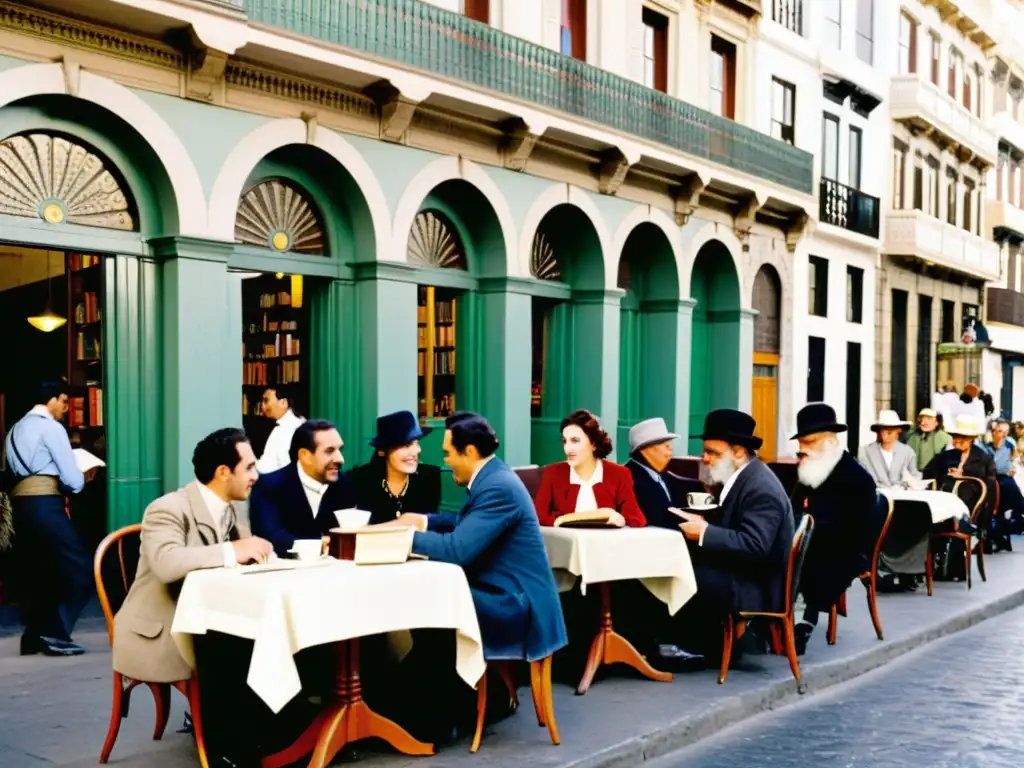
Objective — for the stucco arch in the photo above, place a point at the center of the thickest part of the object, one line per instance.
(695, 236)
(649, 215)
(53, 79)
(427, 180)
(766, 255)
(261, 142)
(552, 197)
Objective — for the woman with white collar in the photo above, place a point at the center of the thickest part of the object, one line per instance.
(889, 462)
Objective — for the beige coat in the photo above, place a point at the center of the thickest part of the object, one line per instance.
(178, 537)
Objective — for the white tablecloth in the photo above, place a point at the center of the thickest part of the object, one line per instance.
(943, 506)
(286, 611)
(656, 556)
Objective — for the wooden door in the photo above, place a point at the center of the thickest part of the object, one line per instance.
(765, 402)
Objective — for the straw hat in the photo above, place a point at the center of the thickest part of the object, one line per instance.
(965, 426)
(889, 419)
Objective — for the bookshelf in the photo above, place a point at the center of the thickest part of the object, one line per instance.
(275, 348)
(436, 318)
(85, 348)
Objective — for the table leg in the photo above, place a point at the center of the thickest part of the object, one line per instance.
(346, 719)
(609, 647)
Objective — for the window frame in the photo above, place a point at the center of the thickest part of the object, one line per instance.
(787, 130)
(833, 27)
(908, 24)
(826, 119)
(854, 295)
(855, 162)
(817, 286)
(865, 35)
(725, 50)
(656, 31)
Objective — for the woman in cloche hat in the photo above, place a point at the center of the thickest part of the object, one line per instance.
(394, 481)
(889, 462)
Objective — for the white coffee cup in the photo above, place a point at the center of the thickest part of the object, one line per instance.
(307, 549)
(699, 500)
(351, 518)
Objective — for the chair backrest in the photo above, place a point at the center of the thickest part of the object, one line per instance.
(797, 553)
(967, 489)
(685, 466)
(114, 567)
(890, 505)
(530, 475)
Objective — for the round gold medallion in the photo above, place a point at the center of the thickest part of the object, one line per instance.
(53, 213)
(280, 241)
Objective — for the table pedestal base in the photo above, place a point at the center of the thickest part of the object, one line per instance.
(346, 720)
(609, 647)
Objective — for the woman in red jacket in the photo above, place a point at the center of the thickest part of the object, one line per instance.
(585, 481)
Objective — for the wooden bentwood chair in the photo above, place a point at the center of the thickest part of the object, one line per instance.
(540, 686)
(956, 533)
(736, 625)
(869, 579)
(114, 567)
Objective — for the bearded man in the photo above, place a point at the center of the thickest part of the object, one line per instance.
(840, 495)
(740, 559)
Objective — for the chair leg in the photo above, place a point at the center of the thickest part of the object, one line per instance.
(727, 635)
(928, 569)
(872, 594)
(787, 629)
(981, 561)
(833, 622)
(549, 701)
(162, 699)
(967, 559)
(505, 671)
(481, 712)
(191, 690)
(776, 633)
(537, 691)
(116, 715)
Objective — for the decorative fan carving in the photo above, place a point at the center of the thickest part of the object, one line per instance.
(50, 178)
(433, 243)
(276, 214)
(543, 264)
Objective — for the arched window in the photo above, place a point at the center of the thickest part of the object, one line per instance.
(433, 242)
(278, 215)
(768, 303)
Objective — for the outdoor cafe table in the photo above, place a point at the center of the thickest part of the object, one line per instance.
(285, 611)
(943, 506)
(657, 557)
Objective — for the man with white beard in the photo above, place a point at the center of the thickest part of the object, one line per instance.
(841, 497)
(739, 559)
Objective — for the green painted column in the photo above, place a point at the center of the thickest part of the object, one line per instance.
(133, 387)
(684, 340)
(746, 360)
(334, 381)
(505, 338)
(596, 355)
(202, 337)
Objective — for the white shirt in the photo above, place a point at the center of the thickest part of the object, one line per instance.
(42, 410)
(279, 444)
(585, 501)
(217, 507)
(725, 492)
(888, 456)
(313, 489)
(477, 471)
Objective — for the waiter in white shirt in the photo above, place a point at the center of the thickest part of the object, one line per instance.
(275, 404)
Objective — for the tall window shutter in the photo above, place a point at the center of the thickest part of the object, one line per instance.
(552, 23)
(636, 42)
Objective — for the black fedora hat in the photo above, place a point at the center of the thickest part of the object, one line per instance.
(814, 418)
(734, 427)
(397, 429)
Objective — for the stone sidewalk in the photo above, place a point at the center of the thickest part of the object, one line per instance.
(54, 712)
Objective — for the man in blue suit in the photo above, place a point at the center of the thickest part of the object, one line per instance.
(298, 501)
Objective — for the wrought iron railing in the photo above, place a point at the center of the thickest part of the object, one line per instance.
(849, 208)
(422, 36)
(790, 14)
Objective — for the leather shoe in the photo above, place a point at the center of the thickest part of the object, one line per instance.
(49, 646)
(680, 660)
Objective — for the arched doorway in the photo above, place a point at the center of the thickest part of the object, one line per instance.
(297, 225)
(715, 367)
(767, 301)
(649, 333)
(568, 336)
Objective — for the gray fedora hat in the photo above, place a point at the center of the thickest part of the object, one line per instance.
(649, 432)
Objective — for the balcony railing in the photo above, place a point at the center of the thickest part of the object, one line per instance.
(913, 233)
(425, 37)
(790, 14)
(1005, 306)
(849, 208)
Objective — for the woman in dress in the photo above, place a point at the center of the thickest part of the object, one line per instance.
(586, 481)
(394, 481)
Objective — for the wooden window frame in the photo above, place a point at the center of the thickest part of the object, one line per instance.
(787, 131)
(574, 19)
(478, 10)
(936, 54)
(658, 23)
(726, 49)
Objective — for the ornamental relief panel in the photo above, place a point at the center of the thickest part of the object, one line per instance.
(278, 215)
(51, 178)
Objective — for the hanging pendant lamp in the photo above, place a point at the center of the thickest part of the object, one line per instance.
(47, 320)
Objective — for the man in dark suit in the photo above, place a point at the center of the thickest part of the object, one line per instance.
(840, 496)
(739, 560)
(299, 501)
(657, 489)
(496, 539)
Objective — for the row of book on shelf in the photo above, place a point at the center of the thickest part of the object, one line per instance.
(444, 336)
(279, 299)
(86, 411)
(273, 326)
(443, 406)
(284, 345)
(87, 346)
(444, 312)
(87, 310)
(444, 362)
(259, 372)
(80, 261)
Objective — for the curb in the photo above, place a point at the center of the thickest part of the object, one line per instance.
(817, 678)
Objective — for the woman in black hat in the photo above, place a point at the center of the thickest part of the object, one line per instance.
(394, 481)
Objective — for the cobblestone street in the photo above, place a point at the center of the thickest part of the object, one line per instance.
(949, 705)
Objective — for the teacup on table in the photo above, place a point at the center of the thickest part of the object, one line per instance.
(351, 518)
(307, 549)
(698, 500)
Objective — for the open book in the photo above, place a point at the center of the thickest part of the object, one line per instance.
(594, 519)
(383, 545)
(86, 460)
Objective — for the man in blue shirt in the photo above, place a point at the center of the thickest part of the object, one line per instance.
(55, 564)
(1011, 502)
